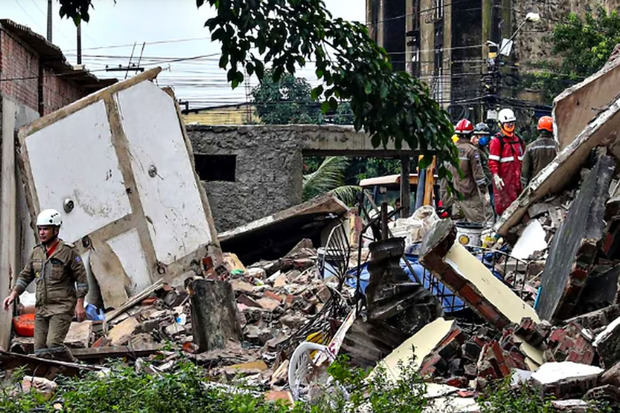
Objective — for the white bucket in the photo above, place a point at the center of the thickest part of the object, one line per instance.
(468, 233)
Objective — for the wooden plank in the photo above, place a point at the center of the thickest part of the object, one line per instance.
(12, 360)
(131, 302)
(115, 351)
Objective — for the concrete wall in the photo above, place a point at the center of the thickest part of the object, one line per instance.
(17, 237)
(269, 164)
(268, 172)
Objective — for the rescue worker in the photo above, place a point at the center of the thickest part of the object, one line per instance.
(505, 157)
(61, 285)
(472, 186)
(481, 138)
(539, 153)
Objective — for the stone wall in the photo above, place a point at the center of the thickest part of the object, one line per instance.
(268, 175)
(269, 164)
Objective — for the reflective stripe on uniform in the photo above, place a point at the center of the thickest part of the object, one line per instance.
(494, 157)
(520, 158)
(464, 158)
(507, 159)
(533, 148)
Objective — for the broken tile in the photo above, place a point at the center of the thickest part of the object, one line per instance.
(531, 241)
(41, 385)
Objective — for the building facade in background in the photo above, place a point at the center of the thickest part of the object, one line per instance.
(446, 43)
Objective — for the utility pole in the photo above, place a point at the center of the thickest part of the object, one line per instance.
(79, 43)
(49, 21)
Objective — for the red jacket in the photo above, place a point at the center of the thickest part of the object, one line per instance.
(505, 159)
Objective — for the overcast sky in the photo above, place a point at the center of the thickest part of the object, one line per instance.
(172, 29)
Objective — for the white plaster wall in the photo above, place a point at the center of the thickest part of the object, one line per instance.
(74, 158)
(128, 249)
(171, 200)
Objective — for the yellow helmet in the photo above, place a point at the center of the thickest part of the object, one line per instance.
(455, 138)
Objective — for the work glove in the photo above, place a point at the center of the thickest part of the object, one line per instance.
(499, 182)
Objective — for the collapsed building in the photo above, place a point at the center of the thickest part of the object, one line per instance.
(277, 299)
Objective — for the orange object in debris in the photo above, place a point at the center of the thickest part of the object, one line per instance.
(24, 325)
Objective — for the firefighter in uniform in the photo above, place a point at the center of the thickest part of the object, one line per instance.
(539, 153)
(505, 157)
(472, 186)
(61, 285)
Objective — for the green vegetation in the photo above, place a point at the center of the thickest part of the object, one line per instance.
(584, 44)
(188, 388)
(284, 101)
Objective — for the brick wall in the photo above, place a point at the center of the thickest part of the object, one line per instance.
(16, 62)
(21, 65)
(58, 92)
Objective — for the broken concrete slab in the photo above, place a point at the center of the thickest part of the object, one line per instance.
(531, 241)
(578, 105)
(470, 279)
(574, 246)
(566, 379)
(567, 164)
(79, 334)
(273, 236)
(418, 346)
(607, 343)
(122, 332)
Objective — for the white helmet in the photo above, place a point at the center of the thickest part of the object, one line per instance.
(506, 115)
(49, 217)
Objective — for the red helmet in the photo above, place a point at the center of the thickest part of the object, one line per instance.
(464, 127)
(545, 123)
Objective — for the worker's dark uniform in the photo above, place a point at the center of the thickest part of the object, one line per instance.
(538, 154)
(473, 185)
(60, 281)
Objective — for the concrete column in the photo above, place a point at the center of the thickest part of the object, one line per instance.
(381, 22)
(409, 25)
(446, 79)
(507, 17)
(487, 22)
(427, 41)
